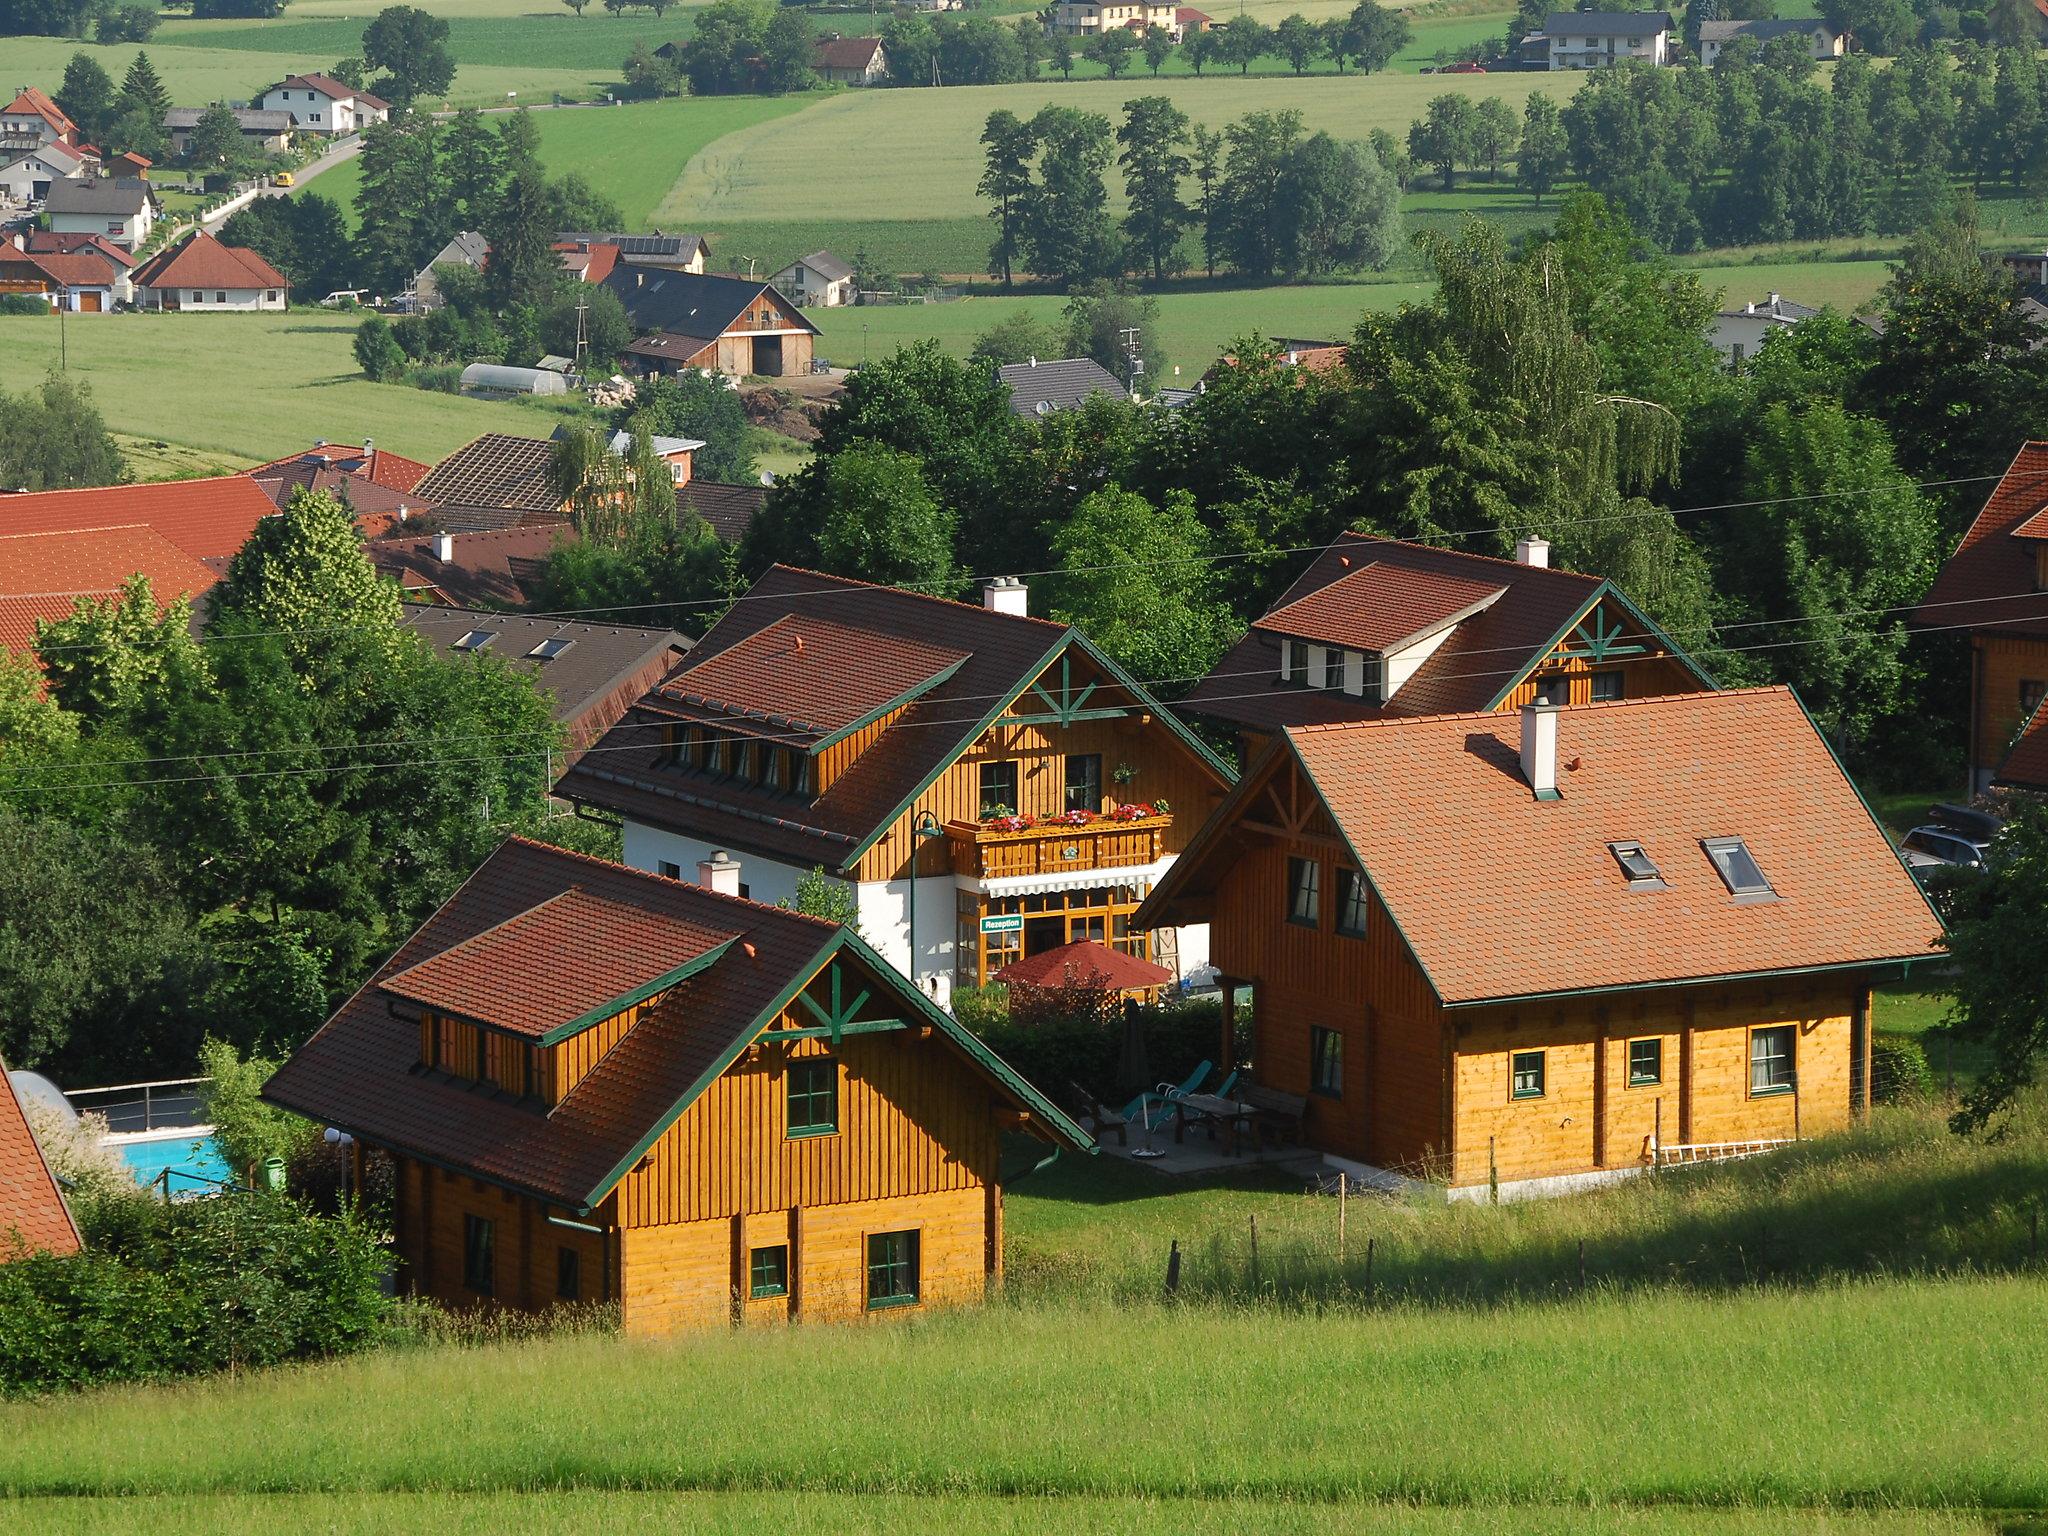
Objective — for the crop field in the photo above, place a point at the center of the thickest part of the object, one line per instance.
(595, 44)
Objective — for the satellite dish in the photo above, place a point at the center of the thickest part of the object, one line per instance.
(1043, 408)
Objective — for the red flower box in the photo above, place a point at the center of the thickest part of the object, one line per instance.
(1132, 813)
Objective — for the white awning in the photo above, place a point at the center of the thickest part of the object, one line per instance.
(1066, 879)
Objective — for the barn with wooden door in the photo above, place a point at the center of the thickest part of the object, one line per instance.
(597, 1084)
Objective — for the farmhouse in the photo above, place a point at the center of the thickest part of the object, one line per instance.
(321, 104)
(1377, 628)
(850, 60)
(1995, 587)
(989, 784)
(1090, 18)
(1548, 947)
(124, 211)
(267, 131)
(1057, 384)
(597, 1084)
(1600, 39)
(44, 575)
(817, 280)
(200, 273)
(725, 324)
(33, 1215)
(466, 249)
(32, 118)
(26, 174)
(673, 253)
(1822, 40)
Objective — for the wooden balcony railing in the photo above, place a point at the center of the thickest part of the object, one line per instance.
(982, 853)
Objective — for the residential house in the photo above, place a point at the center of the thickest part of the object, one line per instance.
(376, 484)
(1535, 950)
(729, 510)
(988, 784)
(32, 118)
(33, 1215)
(209, 518)
(1187, 19)
(1740, 333)
(850, 60)
(118, 263)
(200, 273)
(73, 282)
(727, 324)
(1822, 41)
(124, 211)
(43, 576)
(819, 280)
(593, 672)
(1377, 628)
(27, 173)
(267, 132)
(595, 1084)
(493, 481)
(321, 104)
(672, 253)
(493, 568)
(467, 249)
(587, 261)
(1599, 39)
(1057, 384)
(366, 461)
(1089, 18)
(678, 453)
(1994, 588)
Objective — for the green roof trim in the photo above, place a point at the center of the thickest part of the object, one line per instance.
(910, 694)
(1605, 590)
(640, 994)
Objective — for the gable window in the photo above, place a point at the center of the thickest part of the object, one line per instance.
(768, 1272)
(479, 1262)
(1640, 868)
(1351, 903)
(568, 1274)
(1607, 686)
(1526, 1075)
(1554, 689)
(892, 1269)
(1771, 1060)
(1326, 1062)
(1738, 868)
(1304, 879)
(813, 1090)
(2031, 690)
(1084, 782)
(1645, 1063)
(1294, 661)
(999, 788)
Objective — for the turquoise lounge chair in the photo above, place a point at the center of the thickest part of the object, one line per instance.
(1150, 1108)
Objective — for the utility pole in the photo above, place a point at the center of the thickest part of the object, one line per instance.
(576, 362)
(1133, 364)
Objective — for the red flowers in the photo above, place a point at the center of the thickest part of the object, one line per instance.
(1132, 812)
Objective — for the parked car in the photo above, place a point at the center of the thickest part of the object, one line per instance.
(1977, 826)
(1932, 847)
(283, 179)
(342, 298)
(1465, 67)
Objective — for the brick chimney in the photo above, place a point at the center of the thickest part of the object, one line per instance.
(1539, 749)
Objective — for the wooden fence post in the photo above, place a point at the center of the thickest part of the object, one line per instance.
(1492, 1175)
(1343, 1186)
(1370, 1242)
(1173, 1268)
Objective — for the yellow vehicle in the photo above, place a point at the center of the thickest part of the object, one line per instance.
(283, 179)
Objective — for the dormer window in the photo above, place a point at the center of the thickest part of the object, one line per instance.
(1294, 661)
(1640, 868)
(1738, 869)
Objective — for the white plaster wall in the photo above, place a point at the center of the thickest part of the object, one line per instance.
(884, 907)
(766, 881)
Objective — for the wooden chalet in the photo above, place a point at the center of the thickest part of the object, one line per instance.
(1994, 588)
(1379, 629)
(725, 324)
(1033, 787)
(33, 1215)
(1538, 947)
(597, 1084)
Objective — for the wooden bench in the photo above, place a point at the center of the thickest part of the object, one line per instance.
(1105, 1118)
(1280, 1114)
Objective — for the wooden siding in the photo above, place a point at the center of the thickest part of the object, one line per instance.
(837, 758)
(1650, 675)
(428, 1232)
(2005, 665)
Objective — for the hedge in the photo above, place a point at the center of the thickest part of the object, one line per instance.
(1058, 1053)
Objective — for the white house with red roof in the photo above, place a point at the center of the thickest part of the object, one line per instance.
(202, 273)
(28, 172)
(33, 118)
(322, 104)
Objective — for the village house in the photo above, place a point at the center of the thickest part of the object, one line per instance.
(850, 60)
(586, 261)
(208, 518)
(1057, 384)
(33, 1215)
(1377, 627)
(1088, 18)
(466, 249)
(1822, 41)
(1995, 589)
(1600, 39)
(494, 568)
(1740, 333)
(364, 461)
(1187, 19)
(43, 576)
(323, 105)
(116, 262)
(26, 174)
(1035, 790)
(671, 253)
(72, 281)
(725, 324)
(123, 211)
(1546, 948)
(596, 1084)
(200, 273)
(32, 118)
(819, 280)
(267, 132)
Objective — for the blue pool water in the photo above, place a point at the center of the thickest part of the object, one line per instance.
(195, 1165)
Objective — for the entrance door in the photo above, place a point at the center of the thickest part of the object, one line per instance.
(768, 356)
(1043, 933)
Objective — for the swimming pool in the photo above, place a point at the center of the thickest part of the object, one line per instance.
(193, 1162)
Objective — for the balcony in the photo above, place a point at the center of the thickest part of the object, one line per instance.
(981, 852)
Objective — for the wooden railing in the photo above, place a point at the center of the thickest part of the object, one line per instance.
(981, 853)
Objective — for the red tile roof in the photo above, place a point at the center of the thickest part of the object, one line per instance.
(204, 518)
(597, 258)
(1382, 606)
(203, 262)
(32, 1208)
(1084, 964)
(852, 53)
(42, 575)
(376, 506)
(43, 242)
(1988, 583)
(31, 102)
(485, 569)
(379, 465)
(74, 269)
(2026, 765)
(576, 957)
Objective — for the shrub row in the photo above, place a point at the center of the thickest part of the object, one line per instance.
(1086, 1050)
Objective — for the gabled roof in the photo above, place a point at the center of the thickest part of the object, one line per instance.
(66, 159)
(691, 303)
(201, 261)
(361, 1070)
(32, 1207)
(1988, 583)
(378, 508)
(1607, 23)
(1056, 384)
(58, 269)
(587, 262)
(856, 53)
(870, 628)
(43, 242)
(494, 470)
(2026, 765)
(31, 102)
(122, 197)
(467, 248)
(729, 509)
(206, 517)
(333, 89)
(1382, 606)
(487, 568)
(367, 462)
(826, 265)
(1763, 30)
(681, 247)
(263, 120)
(1500, 895)
(42, 575)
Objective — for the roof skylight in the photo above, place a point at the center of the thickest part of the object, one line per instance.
(1737, 867)
(1640, 868)
(549, 648)
(475, 640)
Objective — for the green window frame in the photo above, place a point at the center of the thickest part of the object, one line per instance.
(813, 1096)
(1645, 1063)
(998, 784)
(892, 1269)
(1525, 1075)
(1304, 892)
(1325, 1062)
(479, 1254)
(1773, 1060)
(568, 1274)
(1084, 781)
(1351, 903)
(768, 1272)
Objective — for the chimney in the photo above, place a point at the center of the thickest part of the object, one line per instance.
(369, 446)
(1006, 594)
(1531, 549)
(1034, 360)
(1539, 749)
(720, 873)
(1774, 301)
(444, 547)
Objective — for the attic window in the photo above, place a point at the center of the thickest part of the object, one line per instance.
(549, 649)
(1738, 868)
(1640, 868)
(475, 640)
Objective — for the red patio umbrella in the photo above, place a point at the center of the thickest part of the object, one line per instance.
(1084, 963)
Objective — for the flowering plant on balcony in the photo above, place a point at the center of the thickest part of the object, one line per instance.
(1136, 812)
(1009, 822)
(1070, 819)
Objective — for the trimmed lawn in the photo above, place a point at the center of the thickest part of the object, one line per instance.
(255, 386)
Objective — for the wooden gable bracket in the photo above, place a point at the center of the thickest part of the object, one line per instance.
(1070, 707)
(1601, 639)
(839, 1022)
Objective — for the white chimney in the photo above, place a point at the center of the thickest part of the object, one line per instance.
(1539, 749)
(1006, 594)
(1532, 550)
(1034, 361)
(369, 446)
(720, 873)
(444, 547)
